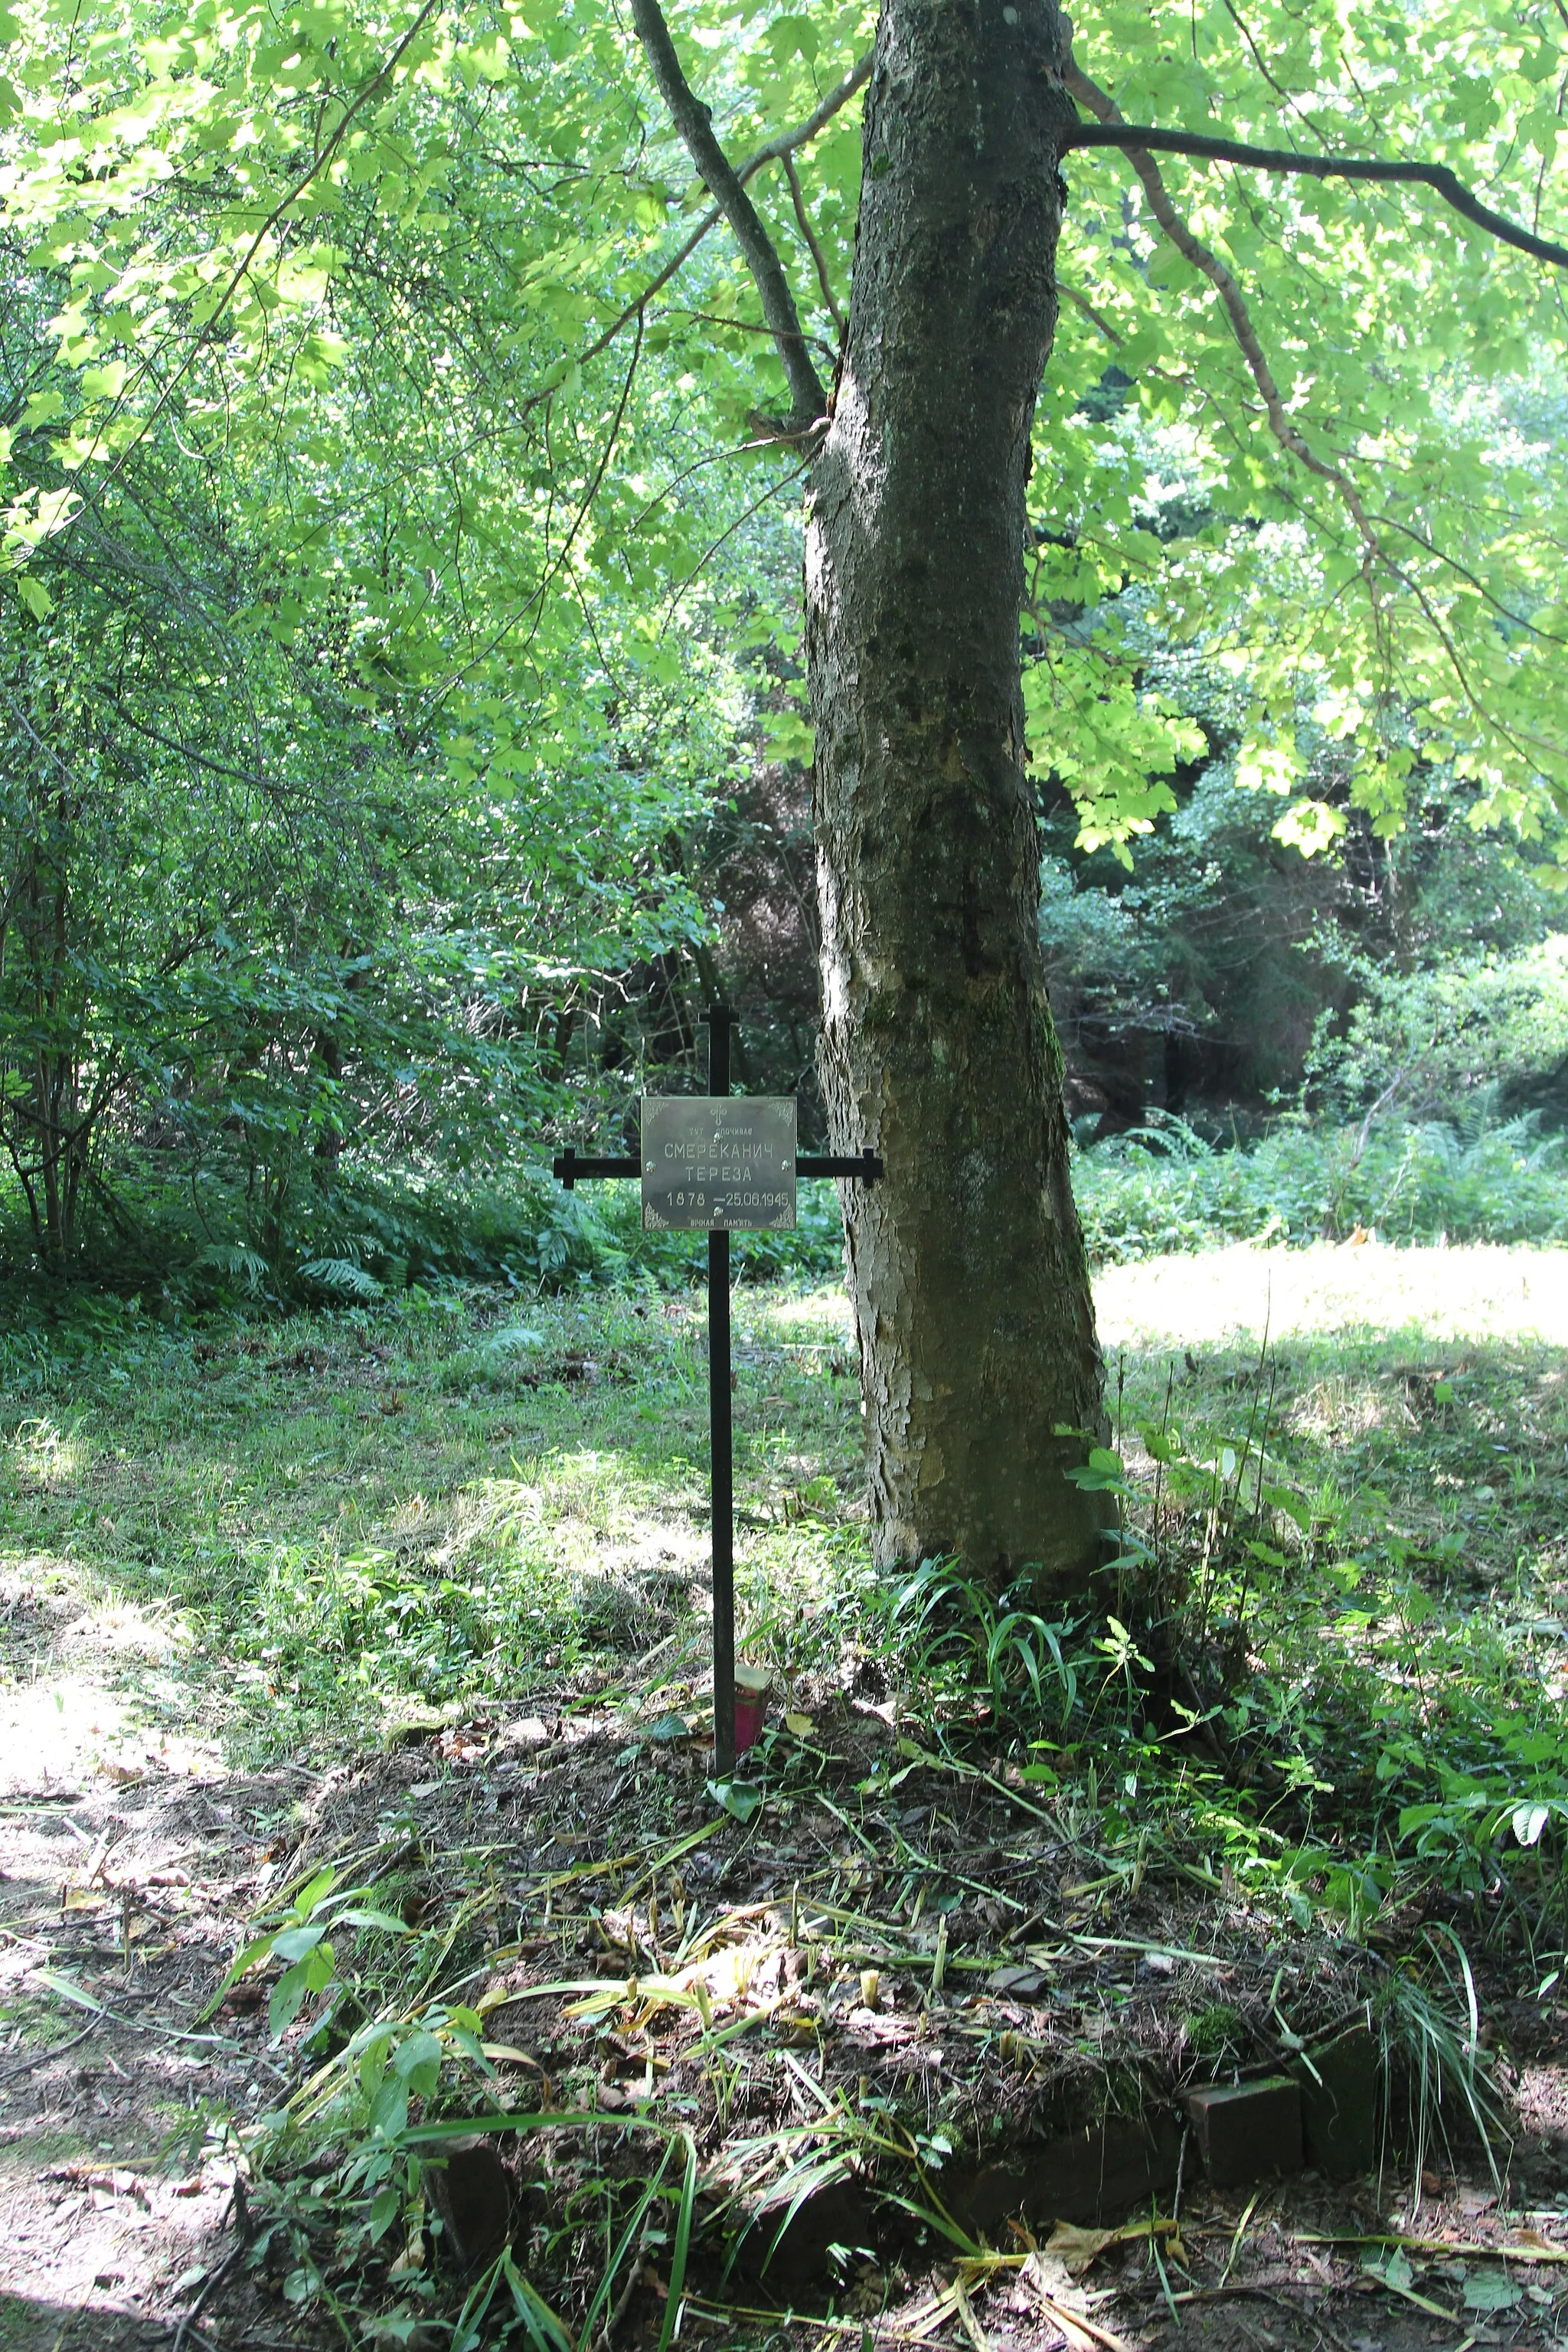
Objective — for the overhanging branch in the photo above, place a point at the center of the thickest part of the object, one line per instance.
(1203, 258)
(1135, 138)
(695, 123)
(1138, 137)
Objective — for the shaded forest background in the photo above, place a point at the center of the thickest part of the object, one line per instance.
(402, 727)
(308, 1021)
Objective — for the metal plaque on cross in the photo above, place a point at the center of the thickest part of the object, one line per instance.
(717, 1164)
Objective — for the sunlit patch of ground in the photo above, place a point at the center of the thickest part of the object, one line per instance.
(1474, 1293)
(69, 1729)
(117, 1627)
(800, 1317)
(1342, 1407)
(43, 1455)
(1478, 1292)
(74, 1685)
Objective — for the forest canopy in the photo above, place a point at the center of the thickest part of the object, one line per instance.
(401, 663)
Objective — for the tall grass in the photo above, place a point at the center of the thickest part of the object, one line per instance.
(1162, 1187)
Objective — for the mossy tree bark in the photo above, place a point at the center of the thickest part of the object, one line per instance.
(971, 1298)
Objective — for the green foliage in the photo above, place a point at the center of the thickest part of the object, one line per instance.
(1452, 1036)
(1225, 969)
(1164, 1188)
(1295, 1690)
(304, 216)
(1360, 585)
(393, 589)
(958, 1636)
(326, 808)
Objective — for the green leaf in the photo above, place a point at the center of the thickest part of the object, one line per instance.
(68, 1989)
(417, 2062)
(681, 2249)
(740, 1803)
(542, 2328)
(385, 2208)
(486, 61)
(389, 2108)
(1491, 2290)
(105, 381)
(286, 2000)
(293, 1943)
(792, 36)
(315, 1891)
(259, 1948)
(320, 1968)
(1102, 1473)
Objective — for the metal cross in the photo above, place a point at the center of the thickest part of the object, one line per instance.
(864, 1169)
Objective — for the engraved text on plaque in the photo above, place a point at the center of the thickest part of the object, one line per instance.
(718, 1163)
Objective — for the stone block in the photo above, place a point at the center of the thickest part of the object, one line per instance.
(1339, 2110)
(800, 2257)
(1098, 2174)
(1248, 2133)
(473, 2190)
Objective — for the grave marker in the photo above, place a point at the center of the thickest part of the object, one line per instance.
(720, 1164)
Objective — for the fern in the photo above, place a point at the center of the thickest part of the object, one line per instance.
(341, 1276)
(235, 1260)
(512, 1337)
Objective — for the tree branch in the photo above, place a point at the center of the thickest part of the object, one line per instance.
(820, 117)
(797, 196)
(1081, 302)
(537, 594)
(694, 122)
(1191, 248)
(784, 144)
(208, 329)
(1132, 137)
(713, 548)
(1136, 139)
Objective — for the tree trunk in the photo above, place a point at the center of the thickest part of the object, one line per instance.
(48, 1135)
(967, 1268)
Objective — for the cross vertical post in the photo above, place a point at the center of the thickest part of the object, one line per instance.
(722, 1462)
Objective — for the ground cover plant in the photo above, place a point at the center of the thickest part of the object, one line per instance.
(1163, 1186)
(511, 2023)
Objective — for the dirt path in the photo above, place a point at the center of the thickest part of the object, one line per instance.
(125, 1860)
